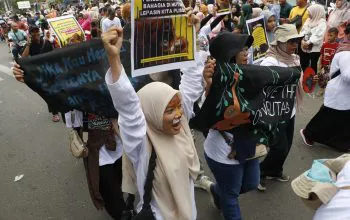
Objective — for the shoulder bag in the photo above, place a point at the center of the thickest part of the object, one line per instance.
(146, 212)
(76, 145)
(21, 43)
(298, 20)
(260, 150)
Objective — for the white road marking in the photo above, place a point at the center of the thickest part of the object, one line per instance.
(1, 79)
(0, 102)
(6, 70)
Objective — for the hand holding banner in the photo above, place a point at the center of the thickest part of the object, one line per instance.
(249, 99)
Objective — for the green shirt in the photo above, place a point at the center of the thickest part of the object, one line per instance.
(285, 10)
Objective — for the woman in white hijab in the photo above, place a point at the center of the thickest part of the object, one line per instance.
(157, 119)
(339, 17)
(313, 30)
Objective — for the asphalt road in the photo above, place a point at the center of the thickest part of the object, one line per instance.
(54, 186)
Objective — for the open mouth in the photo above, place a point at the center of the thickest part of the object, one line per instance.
(177, 123)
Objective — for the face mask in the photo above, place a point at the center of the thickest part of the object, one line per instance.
(321, 172)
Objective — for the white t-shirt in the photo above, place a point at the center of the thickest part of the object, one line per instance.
(217, 149)
(107, 24)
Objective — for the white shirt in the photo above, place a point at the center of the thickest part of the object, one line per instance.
(133, 125)
(339, 206)
(337, 209)
(105, 156)
(217, 149)
(109, 157)
(337, 94)
(314, 35)
(107, 24)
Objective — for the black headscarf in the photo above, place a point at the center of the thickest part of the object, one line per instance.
(227, 45)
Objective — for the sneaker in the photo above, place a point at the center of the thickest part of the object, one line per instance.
(203, 182)
(55, 118)
(306, 141)
(214, 197)
(262, 185)
(282, 178)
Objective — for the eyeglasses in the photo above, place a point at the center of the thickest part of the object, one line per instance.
(294, 41)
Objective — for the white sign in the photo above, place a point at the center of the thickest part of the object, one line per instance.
(23, 5)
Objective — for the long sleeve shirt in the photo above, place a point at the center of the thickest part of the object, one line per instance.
(133, 126)
(337, 95)
(314, 35)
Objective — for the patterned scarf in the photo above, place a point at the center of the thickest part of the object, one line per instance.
(279, 53)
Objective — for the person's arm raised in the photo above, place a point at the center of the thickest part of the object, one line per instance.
(112, 40)
(131, 120)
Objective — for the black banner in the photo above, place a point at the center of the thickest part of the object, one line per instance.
(253, 101)
(74, 77)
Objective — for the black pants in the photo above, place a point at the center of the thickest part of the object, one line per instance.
(17, 51)
(330, 127)
(274, 161)
(307, 58)
(111, 189)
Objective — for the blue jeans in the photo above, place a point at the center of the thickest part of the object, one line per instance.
(232, 180)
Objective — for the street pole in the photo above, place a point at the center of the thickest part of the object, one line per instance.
(7, 5)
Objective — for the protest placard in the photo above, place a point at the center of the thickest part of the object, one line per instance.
(224, 7)
(256, 28)
(248, 99)
(161, 37)
(67, 30)
(23, 4)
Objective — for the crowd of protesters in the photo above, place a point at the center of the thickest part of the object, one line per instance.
(152, 137)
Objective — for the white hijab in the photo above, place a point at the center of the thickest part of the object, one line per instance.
(51, 38)
(339, 15)
(177, 159)
(318, 15)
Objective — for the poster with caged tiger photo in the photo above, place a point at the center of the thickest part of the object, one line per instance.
(162, 39)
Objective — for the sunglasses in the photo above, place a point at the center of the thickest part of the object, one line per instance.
(294, 41)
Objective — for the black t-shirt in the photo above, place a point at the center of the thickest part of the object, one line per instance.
(39, 48)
